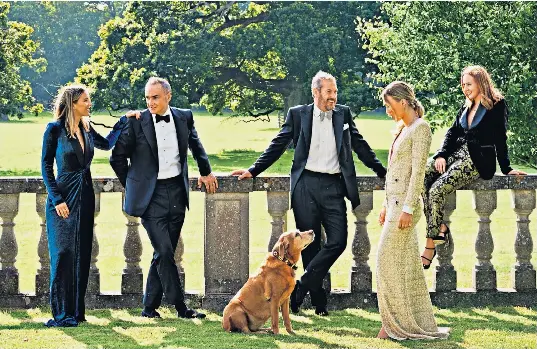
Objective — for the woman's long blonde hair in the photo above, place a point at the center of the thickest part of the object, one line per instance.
(489, 94)
(63, 107)
(400, 90)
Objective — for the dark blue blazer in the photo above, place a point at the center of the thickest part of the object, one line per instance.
(138, 143)
(297, 129)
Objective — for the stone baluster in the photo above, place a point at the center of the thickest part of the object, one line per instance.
(94, 282)
(132, 277)
(42, 278)
(446, 275)
(361, 277)
(179, 252)
(278, 205)
(327, 281)
(523, 273)
(484, 276)
(9, 275)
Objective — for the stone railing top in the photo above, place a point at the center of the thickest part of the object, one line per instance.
(226, 184)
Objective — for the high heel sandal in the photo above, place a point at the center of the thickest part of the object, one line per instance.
(427, 266)
(441, 239)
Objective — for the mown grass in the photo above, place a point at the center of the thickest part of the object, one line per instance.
(498, 327)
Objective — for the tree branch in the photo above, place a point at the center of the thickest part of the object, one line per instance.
(243, 21)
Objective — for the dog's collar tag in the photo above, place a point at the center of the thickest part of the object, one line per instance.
(285, 260)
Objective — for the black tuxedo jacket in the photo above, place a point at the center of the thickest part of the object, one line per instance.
(486, 138)
(138, 143)
(297, 129)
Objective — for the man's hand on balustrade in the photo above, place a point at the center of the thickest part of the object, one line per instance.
(210, 182)
(517, 173)
(62, 210)
(242, 174)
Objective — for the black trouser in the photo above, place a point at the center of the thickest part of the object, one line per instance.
(163, 221)
(318, 199)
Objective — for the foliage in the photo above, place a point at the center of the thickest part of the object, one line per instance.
(16, 50)
(250, 57)
(67, 34)
(429, 43)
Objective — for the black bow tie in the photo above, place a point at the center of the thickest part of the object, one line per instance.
(159, 118)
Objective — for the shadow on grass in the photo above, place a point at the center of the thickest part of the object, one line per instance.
(351, 328)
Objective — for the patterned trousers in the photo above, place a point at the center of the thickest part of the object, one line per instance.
(460, 171)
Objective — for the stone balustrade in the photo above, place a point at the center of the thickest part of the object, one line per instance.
(226, 246)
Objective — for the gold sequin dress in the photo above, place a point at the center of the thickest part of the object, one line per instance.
(403, 298)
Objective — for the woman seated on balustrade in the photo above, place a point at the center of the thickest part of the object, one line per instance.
(471, 146)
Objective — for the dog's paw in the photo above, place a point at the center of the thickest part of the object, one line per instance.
(291, 332)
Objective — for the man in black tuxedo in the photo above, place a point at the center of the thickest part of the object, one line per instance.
(322, 174)
(156, 186)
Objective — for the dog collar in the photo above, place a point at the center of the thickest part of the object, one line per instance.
(285, 260)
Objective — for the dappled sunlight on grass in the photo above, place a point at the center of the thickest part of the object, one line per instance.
(286, 345)
(301, 319)
(213, 317)
(38, 316)
(363, 313)
(499, 339)
(458, 315)
(23, 339)
(7, 320)
(146, 335)
(352, 341)
(506, 317)
(124, 315)
(97, 321)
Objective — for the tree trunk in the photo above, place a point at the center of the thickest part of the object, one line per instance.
(296, 97)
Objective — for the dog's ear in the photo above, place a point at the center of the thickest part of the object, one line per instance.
(280, 248)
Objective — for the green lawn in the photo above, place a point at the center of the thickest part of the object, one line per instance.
(506, 327)
(234, 144)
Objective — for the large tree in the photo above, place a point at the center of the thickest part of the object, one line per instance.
(429, 43)
(248, 56)
(67, 34)
(16, 51)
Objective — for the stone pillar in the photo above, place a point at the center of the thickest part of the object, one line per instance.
(484, 276)
(446, 275)
(226, 259)
(42, 278)
(179, 252)
(278, 205)
(523, 273)
(132, 277)
(361, 277)
(94, 282)
(9, 275)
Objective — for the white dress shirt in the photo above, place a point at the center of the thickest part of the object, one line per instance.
(323, 153)
(168, 147)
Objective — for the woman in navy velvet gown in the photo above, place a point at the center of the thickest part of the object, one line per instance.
(70, 208)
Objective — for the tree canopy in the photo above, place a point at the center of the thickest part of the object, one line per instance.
(252, 57)
(16, 51)
(429, 43)
(67, 36)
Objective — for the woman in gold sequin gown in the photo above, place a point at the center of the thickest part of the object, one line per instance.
(403, 298)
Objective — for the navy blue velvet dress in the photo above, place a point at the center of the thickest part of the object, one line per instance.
(70, 239)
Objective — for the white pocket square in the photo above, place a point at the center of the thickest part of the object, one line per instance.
(345, 126)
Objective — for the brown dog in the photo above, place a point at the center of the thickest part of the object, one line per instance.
(269, 289)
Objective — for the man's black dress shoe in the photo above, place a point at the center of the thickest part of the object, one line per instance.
(321, 311)
(188, 313)
(150, 313)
